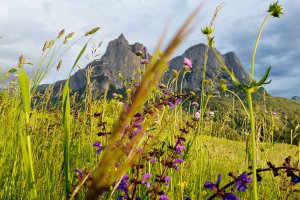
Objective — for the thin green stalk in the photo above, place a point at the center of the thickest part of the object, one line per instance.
(239, 100)
(182, 79)
(33, 191)
(255, 47)
(253, 146)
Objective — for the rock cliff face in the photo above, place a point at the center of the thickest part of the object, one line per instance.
(120, 57)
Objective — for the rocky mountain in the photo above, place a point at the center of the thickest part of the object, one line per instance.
(120, 57)
(196, 55)
(296, 98)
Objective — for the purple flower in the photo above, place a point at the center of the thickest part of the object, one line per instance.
(125, 178)
(213, 186)
(162, 86)
(98, 146)
(178, 161)
(197, 115)
(195, 104)
(171, 105)
(242, 181)
(164, 197)
(138, 198)
(147, 184)
(229, 196)
(138, 115)
(166, 91)
(187, 63)
(177, 100)
(152, 160)
(179, 149)
(166, 179)
(188, 198)
(117, 164)
(79, 171)
(211, 113)
(145, 61)
(295, 178)
(123, 186)
(145, 177)
(178, 142)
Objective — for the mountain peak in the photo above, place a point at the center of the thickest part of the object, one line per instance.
(197, 47)
(121, 37)
(120, 57)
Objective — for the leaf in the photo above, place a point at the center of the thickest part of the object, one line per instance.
(25, 93)
(66, 123)
(264, 78)
(78, 57)
(12, 70)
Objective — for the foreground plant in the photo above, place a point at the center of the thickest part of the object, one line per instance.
(104, 176)
(274, 10)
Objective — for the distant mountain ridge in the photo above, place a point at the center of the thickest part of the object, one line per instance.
(120, 57)
(296, 98)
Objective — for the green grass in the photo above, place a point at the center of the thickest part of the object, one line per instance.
(219, 155)
(43, 142)
(47, 135)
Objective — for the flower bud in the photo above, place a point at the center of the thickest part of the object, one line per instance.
(139, 53)
(275, 9)
(128, 91)
(207, 30)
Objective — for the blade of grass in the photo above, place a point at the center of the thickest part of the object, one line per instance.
(24, 84)
(67, 123)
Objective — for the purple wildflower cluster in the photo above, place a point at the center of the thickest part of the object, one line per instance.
(242, 181)
(241, 185)
(170, 158)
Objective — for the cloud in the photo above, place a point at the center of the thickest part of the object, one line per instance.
(26, 25)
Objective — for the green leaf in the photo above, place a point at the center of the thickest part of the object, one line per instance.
(12, 70)
(78, 57)
(25, 92)
(66, 123)
(264, 78)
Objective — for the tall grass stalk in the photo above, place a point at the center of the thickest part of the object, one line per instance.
(26, 149)
(67, 122)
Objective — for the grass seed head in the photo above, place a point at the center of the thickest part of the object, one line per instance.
(91, 32)
(69, 35)
(61, 33)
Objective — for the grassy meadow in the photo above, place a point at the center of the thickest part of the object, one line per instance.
(154, 141)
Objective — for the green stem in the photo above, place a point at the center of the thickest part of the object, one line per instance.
(256, 45)
(239, 100)
(181, 84)
(253, 146)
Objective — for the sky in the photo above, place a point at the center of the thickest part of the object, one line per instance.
(26, 24)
